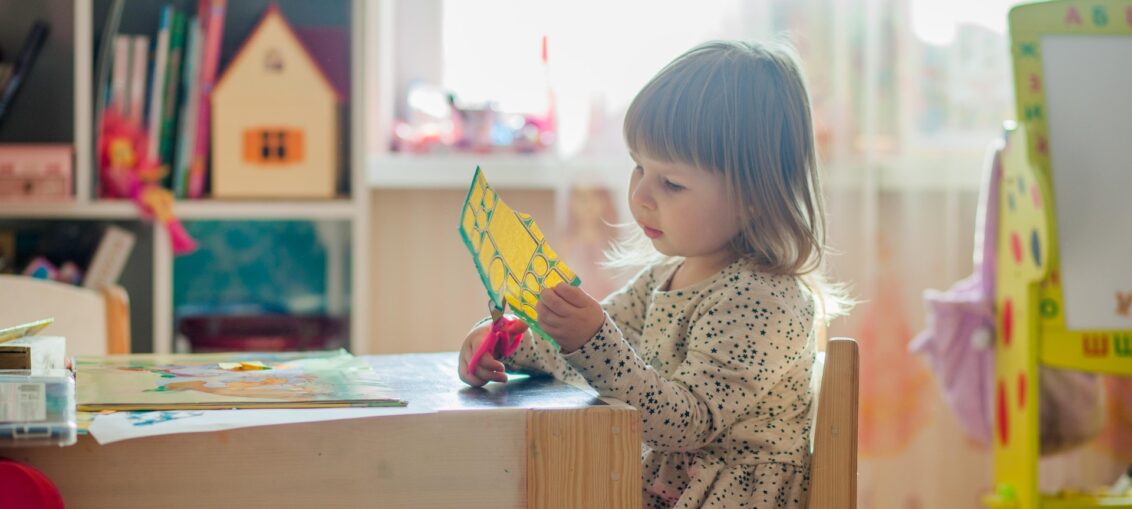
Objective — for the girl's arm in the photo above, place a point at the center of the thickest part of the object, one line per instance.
(740, 364)
(626, 307)
(536, 355)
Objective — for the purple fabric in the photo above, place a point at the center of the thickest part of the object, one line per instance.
(958, 343)
(963, 367)
(959, 336)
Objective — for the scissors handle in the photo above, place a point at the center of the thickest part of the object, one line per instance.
(507, 329)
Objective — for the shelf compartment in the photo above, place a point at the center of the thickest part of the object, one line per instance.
(192, 209)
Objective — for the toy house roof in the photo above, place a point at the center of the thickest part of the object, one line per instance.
(272, 12)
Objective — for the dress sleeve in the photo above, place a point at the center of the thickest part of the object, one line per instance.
(625, 306)
(741, 352)
(628, 306)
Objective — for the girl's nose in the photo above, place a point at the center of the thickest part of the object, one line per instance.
(641, 194)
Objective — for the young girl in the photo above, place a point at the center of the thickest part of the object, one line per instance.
(714, 341)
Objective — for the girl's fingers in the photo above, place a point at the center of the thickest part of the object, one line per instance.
(553, 302)
(470, 378)
(571, 294)
(487, 370)
(489, 362)
(546, 313)
(487, 374)
(548, 318)
(462, 366)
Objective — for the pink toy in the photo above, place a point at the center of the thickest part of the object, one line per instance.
(126, 173)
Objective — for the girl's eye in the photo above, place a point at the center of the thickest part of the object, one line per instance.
(673, 186)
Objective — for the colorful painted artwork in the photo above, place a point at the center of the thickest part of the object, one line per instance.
(152, 418)
(198, 382)
(513, 259)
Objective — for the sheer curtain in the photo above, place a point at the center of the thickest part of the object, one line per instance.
(908, 97)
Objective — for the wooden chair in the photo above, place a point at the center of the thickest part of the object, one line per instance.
(833, 466)
(94, 322)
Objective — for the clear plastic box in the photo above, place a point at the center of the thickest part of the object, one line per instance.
(37, 407)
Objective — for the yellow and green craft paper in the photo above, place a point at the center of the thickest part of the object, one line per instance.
(510, 252)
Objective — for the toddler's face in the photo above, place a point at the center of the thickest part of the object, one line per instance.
(683, 209)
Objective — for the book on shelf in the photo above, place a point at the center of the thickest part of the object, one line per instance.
(211, 15)
(179, 70)
(190, 100)
(170, 93)
(120, 76)
(157, 83)
(139, 62)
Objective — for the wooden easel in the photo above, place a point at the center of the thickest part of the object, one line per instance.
(1030, 303)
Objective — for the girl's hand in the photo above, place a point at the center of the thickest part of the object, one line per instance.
(488, 369)
(569, 315)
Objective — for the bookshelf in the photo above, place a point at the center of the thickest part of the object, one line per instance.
(57, 106)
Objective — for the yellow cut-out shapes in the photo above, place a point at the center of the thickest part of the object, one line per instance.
(509, 250)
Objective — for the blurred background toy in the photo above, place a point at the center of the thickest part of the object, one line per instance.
(126, 172)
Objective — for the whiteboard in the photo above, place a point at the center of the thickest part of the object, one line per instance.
(1088, 91)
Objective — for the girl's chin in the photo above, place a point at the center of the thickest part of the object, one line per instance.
(661, 247)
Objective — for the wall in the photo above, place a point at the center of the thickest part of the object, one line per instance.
(425, 292)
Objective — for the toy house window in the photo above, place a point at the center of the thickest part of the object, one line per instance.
(273, 61)
(273, 146)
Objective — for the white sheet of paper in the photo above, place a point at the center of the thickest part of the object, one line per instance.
(1087, 84)
(115, 427)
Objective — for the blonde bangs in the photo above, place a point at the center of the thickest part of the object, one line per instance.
(742, 110)
(680, 115)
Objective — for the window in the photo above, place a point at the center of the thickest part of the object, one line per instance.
(914, 89)
(273, 146)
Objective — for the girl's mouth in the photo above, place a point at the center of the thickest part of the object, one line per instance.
(652, 233)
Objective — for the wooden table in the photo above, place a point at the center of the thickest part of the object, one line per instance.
(528, 443)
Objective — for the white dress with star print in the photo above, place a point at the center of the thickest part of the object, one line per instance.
(720, 372)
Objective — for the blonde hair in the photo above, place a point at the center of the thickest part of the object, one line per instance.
(741, 109)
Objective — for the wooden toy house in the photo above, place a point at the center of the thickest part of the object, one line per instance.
(275, 119)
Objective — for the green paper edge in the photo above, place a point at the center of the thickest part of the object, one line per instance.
(498, 299)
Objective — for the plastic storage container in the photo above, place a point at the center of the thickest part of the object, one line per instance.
(37, 407)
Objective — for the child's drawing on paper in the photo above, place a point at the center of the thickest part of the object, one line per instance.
(287, 381)
(296, 387)
(138, 419)
(200, 381)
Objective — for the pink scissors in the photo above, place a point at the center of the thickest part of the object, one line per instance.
(502, 339)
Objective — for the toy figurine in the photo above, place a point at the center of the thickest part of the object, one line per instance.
(126, 172)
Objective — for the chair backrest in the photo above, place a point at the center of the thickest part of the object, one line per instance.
(833, 466)
(93, 322)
